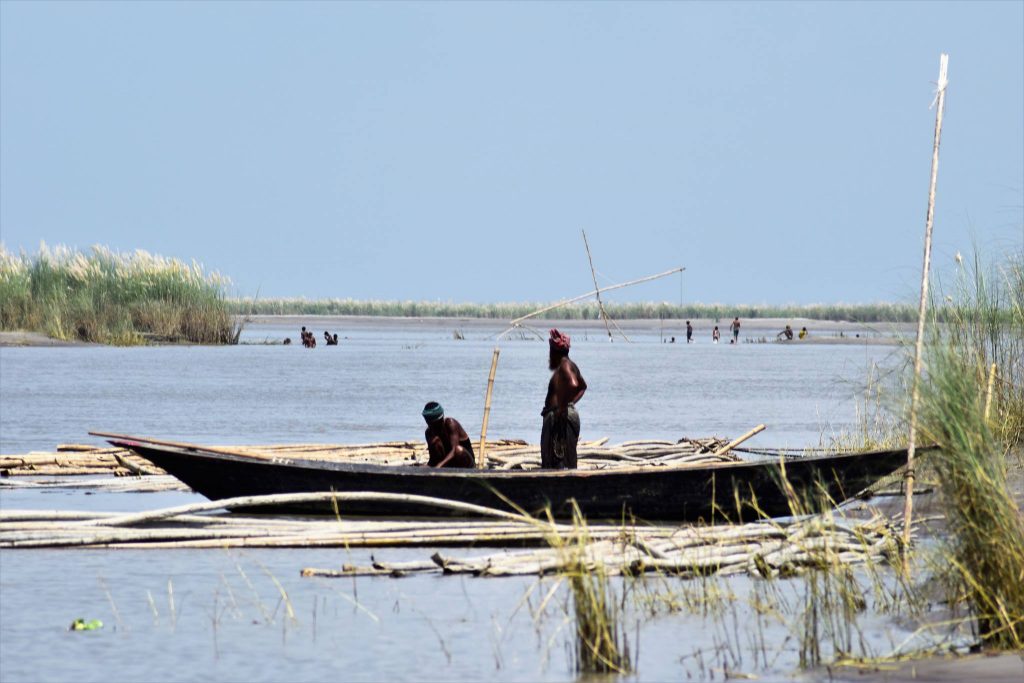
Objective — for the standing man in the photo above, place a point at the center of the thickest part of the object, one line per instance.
(689, 332)
(447, 442)
(561, 430)
(735, 327)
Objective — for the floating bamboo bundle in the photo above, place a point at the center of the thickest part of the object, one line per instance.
(765, 548)
(148, 484)
(82, 459)
(762, 549)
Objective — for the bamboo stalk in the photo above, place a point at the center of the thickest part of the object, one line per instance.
(736, 442)
(566, 302)
(915, 393)
(481, 461)
(597, 290)
(988, 390)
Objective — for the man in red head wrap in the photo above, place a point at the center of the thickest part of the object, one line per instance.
(561, 428)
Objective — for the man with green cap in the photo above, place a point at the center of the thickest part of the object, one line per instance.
(447, 442)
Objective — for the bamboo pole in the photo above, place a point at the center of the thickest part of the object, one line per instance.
(988, 390)
(481, 458)
(597, 290)
(285, 498)
(566, 302)
(736, 442)
(176, 444)
(908, 509)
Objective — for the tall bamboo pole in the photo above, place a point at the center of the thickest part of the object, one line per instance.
(481, 458)
(940, 100)
(597, 289)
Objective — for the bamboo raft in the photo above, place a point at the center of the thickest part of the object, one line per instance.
(507, 454)
(758, 549)
(761, 548)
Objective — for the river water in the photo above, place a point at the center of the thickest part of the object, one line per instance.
(248, 616)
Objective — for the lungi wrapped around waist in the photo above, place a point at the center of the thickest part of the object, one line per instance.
(558, 438)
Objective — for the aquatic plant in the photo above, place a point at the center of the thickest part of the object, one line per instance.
(600, 645)
(114, 298)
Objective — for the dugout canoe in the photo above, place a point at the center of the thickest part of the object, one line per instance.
(739, 491)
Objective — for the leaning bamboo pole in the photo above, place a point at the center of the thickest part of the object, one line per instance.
(908, 509)
(597, 290)
(733, 444)
(566, 302)
(481, 458)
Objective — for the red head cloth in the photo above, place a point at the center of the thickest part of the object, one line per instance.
(559, 341)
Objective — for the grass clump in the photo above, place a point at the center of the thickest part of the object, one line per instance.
(600, 644)
(984, 326)
(976, 427)
(113, 298)
(987, 542)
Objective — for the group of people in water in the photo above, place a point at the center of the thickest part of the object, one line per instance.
(787, 334)
(448, 444)
(734, 329)
(308, 339)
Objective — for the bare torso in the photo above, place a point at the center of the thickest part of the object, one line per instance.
(566, 386)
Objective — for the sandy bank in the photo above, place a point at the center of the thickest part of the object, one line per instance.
(980, 668)
(22, 338)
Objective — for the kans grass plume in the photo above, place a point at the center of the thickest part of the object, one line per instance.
(113, 298)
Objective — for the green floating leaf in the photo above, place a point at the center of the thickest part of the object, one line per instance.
(83, 625)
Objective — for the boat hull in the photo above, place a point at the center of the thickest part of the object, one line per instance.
(731, 491)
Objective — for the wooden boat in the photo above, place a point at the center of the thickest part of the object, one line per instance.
(727, 491)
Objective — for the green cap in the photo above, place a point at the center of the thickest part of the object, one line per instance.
(433, 411)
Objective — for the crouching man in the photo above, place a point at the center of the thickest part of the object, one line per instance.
(447, 442)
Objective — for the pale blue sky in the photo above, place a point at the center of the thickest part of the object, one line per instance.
(779, 151)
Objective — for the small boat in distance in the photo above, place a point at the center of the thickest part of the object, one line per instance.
(731, 491)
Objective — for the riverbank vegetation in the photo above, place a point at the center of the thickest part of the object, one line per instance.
(880, 312)
(973, 408)
(113, 298)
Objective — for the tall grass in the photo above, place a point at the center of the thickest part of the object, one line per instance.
(600, 644)
(113, 298)
(984, 325)
(976, 427)
(880, 312)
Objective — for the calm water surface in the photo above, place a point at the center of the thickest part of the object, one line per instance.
(249, 616)
(373, 386)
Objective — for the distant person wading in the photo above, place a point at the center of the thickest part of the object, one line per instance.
(561, 429)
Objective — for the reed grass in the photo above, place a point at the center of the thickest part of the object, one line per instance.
(984, 325)
(876, 312)
(113, 298)
(600, 644)
(986, 551)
